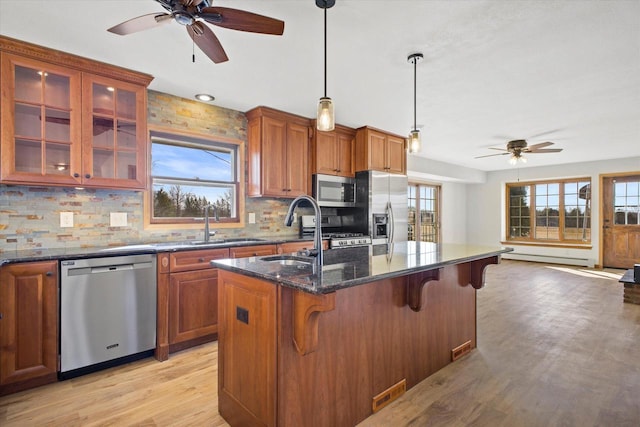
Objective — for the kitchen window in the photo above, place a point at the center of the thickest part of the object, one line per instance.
(556, 211)
(189, 173)
(424, 202)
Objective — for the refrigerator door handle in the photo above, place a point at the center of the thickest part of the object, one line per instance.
(390, 222)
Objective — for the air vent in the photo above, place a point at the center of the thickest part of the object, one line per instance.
(460, 351)
(389, 395)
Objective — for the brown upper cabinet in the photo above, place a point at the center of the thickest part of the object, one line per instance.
(70, 121)
(278, 153)
(333, 153)
(381, 151)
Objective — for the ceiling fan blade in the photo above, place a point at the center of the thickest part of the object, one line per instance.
(140, 23)
(499, 149)
(538, 135)
(207, 42)
(546, 150)
(241, 20)
(540, 145)
(491, 155)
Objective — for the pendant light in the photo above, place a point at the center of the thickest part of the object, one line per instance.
(326, 119)
(414, 136)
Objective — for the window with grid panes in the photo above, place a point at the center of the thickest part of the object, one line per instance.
(549, 211)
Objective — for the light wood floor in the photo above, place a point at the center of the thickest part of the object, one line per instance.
(556, 347)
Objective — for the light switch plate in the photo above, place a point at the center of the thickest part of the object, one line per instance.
(252, 217)
(118, 219)
(66, 219)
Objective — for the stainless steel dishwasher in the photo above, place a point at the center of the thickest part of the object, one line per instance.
(107, 312)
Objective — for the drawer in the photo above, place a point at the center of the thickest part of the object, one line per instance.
(195, 260)
(289, 247)
(255, 250)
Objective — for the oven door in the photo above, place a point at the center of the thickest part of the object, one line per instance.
(334, 191)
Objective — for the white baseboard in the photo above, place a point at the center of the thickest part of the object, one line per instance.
(583, 262)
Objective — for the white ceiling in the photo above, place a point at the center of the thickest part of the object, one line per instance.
(567, 71)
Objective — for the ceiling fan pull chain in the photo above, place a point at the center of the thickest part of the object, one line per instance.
(193, 51)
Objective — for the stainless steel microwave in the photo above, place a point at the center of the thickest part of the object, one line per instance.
(334, 191)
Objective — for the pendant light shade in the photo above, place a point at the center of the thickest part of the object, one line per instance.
(414, 143)
(326, 119)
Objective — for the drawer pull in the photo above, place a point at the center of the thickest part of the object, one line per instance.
(49, 274)
(200, 259)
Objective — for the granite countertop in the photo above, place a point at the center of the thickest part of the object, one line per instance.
(346, 267)
(45, 254)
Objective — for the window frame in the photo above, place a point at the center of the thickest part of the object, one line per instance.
(532, 239)
(194, 140)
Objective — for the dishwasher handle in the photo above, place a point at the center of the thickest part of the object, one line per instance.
(108, 268)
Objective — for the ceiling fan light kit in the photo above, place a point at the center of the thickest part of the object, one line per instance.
(326, 118)
(414, 144)
(193, 14)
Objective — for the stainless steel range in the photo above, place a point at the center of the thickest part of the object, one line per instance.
(333, 230)
(343, 240)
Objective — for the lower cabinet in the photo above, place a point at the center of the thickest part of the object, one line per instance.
(28, 325)
(193, 305)
(187, 299)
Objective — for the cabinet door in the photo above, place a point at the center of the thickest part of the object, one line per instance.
(297, 160)
(396, 155)
(41, 122)
(274, 139)
(325, 152)
(345, 154)
(114, 133)
(255, 250)
(29, 322)
(193, 305)
(377, 150)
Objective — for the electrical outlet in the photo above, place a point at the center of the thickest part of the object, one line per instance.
(118, 219)
(252, 217)
(66, 219)
(295, 217)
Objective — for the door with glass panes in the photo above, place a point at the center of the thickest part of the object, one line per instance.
(621, 221)
(424, 212)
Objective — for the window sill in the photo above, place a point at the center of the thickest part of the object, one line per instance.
(548, 245)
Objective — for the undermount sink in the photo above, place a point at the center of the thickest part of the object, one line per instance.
(289, 260)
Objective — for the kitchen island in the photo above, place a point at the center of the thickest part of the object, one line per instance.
(301, 345)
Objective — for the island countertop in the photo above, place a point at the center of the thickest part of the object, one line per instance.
(347, 267)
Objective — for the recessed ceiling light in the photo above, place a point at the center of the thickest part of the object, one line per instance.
(205, 97)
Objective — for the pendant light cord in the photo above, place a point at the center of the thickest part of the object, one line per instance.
(325, 49)
(415, 73)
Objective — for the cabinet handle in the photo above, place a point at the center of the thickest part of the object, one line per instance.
(87, 176)
(200, 259)
(48, 274)
(76, 175)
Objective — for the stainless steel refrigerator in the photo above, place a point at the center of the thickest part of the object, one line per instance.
(382, 199)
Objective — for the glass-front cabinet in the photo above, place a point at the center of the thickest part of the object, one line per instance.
(41, 127)
(70, 121)
(114, 139)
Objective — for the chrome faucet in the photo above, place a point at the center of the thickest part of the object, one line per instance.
(317, 234)
(207, 232)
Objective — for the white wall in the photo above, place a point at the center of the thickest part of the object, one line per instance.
(486, 211)
(453, 181)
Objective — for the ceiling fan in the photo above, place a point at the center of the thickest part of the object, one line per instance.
(518, 147)
(192, 13)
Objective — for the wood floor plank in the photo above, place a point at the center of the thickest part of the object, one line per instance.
(556, 347)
